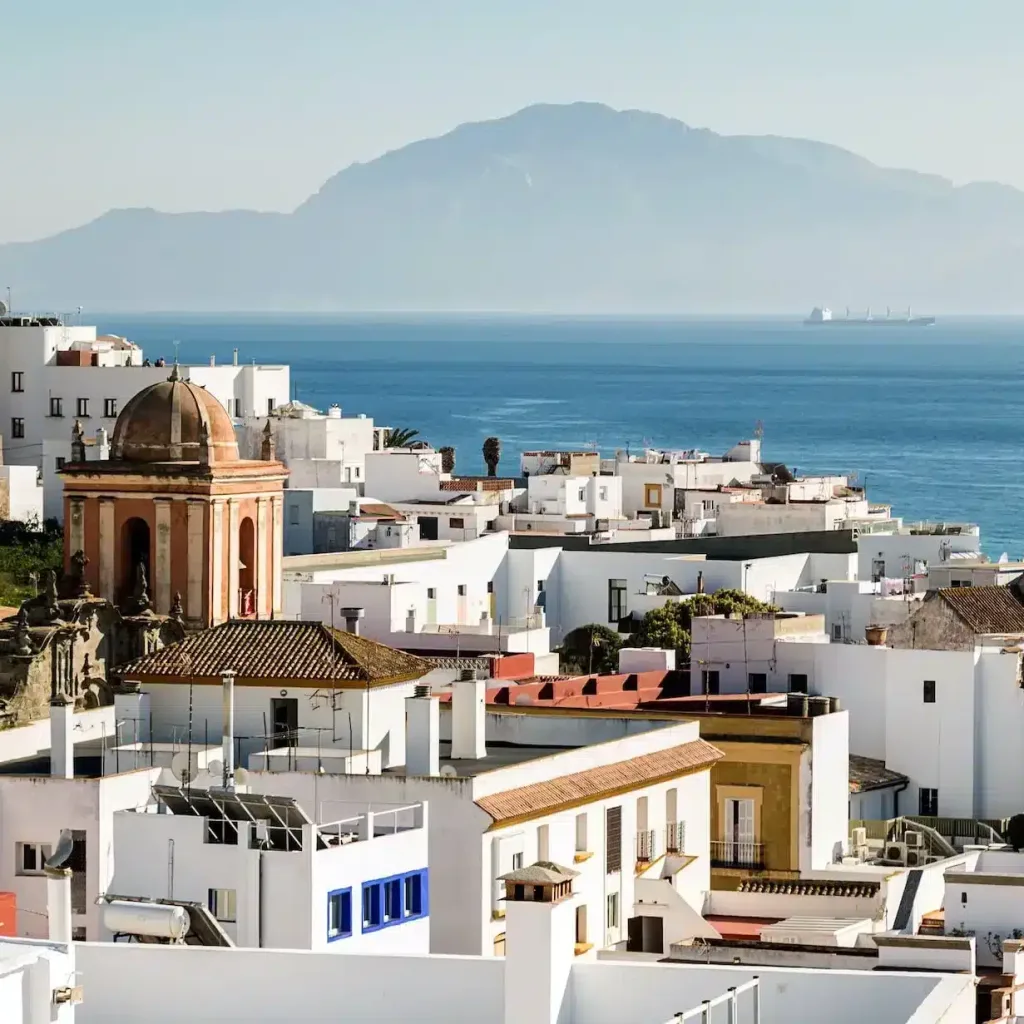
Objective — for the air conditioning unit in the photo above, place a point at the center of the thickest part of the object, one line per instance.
(916, 858)
(862, 853)
(896, 852)
(913, 839)
(859, 837)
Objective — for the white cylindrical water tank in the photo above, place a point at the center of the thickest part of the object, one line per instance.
(155, 920)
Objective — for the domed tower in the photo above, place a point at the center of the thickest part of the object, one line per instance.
(174, 515)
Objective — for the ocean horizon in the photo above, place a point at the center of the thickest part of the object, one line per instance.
(926, 418)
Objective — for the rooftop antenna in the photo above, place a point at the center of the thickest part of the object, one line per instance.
(9, 298)
(176, 344)
(759, 430)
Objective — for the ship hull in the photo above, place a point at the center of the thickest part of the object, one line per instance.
(916, 321)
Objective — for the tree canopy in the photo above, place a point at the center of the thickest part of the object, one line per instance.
(400, 437)
(591, 648)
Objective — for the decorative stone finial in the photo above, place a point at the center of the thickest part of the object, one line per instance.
(52, 611)
(177, 611)
(21, 638)
(175, 375)
(268, 450)
(78, 564)
(77, 442)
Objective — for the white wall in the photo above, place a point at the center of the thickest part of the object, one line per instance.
(900, 551)
(830, 787)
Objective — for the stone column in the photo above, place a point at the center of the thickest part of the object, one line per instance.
(161, 582)
(264, 588)
(217, 606)
(277, 527)
(232, 558)
(197, 554)
(107, 549)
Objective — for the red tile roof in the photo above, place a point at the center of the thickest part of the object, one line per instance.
(986, 609)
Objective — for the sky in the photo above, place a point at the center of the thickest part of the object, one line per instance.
(227, 104)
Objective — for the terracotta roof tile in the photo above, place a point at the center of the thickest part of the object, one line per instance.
(986, 609)
(867, 773)
(265, 652)
(542, 798)
(379, 510)
(810, 887)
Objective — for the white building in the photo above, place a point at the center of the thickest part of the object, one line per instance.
(275, 877)
(320, 450)
(38, 982)
(55, 373)
(567, 504)
(21, 494)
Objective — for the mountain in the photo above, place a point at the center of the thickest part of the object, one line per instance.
(576, 208)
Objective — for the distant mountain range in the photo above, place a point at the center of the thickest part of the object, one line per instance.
(576, 208)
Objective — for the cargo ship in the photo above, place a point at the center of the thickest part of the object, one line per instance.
(821, 316)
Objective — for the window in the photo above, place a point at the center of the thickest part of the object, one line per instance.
(357, 472)
(390, 901)
(110, 408)
(293, 515)
(583, 494)
(581, 833)
(929, 691)
(616, 600)
(613, 839)
(709, 681)
(757, 682)
(58, 462)
(613, 910)
(339, 914)
(270, 407)
(517, 861)
(490, 586)
(17, 381)
(602, 493)
(238, 408)
(221, 903)
(543, 842)
(78, 934)
(456, 523)
(797, 682)
(461, 590)
(652, 495)
(837, 631)
(82, 407)
(928, 802)
(56, 406)
(431, 593)
(17, 427)
(30, 858)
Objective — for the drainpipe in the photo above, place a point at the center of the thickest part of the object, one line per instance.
(228, 740)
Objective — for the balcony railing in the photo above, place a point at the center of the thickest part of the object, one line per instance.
(675, 837)
(646, 845)
(733, 853)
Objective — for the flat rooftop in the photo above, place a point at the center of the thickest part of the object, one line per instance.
(499, 755)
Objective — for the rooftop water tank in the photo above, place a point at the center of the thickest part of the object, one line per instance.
(156, 920)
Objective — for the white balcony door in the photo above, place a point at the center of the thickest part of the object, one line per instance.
(739, 830)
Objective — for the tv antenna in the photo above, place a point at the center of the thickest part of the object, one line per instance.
(759, 430)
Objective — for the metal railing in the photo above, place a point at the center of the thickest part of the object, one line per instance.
(735, 853)
(675, 837)
(730, 1000)
(646, 844)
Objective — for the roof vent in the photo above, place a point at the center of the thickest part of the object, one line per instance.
(421, 690)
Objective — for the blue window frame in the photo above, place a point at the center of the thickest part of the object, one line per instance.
(394, 900)
(339, 914)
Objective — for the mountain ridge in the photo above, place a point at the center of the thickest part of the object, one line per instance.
(576, 208)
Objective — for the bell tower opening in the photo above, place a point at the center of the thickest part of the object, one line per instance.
(247, 568)
(134, 551)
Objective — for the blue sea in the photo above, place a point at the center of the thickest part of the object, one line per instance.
(929, 419)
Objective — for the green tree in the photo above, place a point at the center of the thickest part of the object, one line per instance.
(400, 437)
(669, 627)
(592, 648)
(25, 555)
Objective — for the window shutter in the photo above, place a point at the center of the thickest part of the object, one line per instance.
(613, 840)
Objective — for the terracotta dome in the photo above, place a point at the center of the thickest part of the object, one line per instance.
(174, 421)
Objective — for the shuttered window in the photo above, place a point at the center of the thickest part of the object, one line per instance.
(613, 839)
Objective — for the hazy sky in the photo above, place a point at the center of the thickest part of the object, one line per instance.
(213, 104)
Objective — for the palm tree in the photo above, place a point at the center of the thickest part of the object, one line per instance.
(400, 437)
(447, 454)
(492, 454)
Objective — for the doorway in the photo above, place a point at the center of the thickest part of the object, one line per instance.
(284, 719)
(428, 527)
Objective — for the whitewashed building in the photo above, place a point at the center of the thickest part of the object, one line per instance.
(55, 372)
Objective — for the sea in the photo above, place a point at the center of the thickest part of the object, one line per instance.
(928, 419)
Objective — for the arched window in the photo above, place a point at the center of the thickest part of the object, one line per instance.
(247, 567)
(134, 552)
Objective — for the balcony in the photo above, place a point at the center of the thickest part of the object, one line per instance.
(732, 853)
(675, 837)
(646, 846)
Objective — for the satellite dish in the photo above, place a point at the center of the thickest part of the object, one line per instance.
(59, 858)
(241, 777)
(3, 308)
(523, 699)
(215, 767)
(449, 772)
(183, 767)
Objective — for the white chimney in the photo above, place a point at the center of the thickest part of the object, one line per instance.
(234, 357)
(62, 749)
(334, 413)
(352, 617)
(422, 732)
(131, 713)
(410, 621)
(58, 895)
(228, 739)
(469, 718)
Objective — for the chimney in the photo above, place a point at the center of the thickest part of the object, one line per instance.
(700, 582)
(131, 713)
(469, 718)
(62, 749)
(228, 739)
(352, 617)
(541, 930)
(58, 892)
(410, 621)
(422, 731)
(102, 443)
(234, 357)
